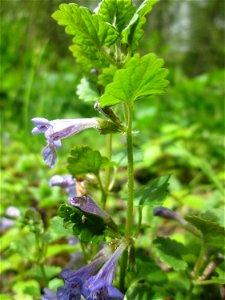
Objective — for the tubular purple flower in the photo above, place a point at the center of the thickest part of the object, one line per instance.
(167, 213)
(74, 280)
(56, 130)
(100, 285)
(67, 182)
(86, 204)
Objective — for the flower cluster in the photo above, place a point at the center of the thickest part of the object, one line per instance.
(89, 283)
(94, 280)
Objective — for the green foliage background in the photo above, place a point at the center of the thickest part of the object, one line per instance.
(181, 132)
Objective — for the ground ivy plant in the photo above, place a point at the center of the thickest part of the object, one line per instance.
(115, 78)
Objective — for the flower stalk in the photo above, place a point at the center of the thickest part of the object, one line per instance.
(130, 170)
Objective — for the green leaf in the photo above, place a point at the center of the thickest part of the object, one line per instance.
(139, 290)
(91, 34)
(142, 76)
(213, 233)
(150, 271)
(56, 230)
(106, 76)
(116, 12)
(87, 91)
(132, 34)
(51, 271)
(59, 248)
(153, 193)
(170, 252)
(84, 160)
(86, 227)
(26, 287)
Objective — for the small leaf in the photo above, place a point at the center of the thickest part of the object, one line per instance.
(106, 76)
(85, 226)
(56, 230)
(116, 12)
(134, 32)
(84, 160)
(25, 288)
(150, 271)
(142, 76)
(86, 91)
(153, 193)
(170, 252)
(91, 34)
(139, 290)
(213, 233)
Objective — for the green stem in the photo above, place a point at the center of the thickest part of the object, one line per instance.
(40, 259)
(84, 252)
(199, 262)
(129, 214)
(204, 282)
(44, 276)
(104, 194)
(108, 154)
(139, 220)
(123, 268)
(130, 171)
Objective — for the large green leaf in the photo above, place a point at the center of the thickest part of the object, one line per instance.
(213, 234)
(84, 160)
(132, 34)
(116, 12)
(153, 193)
(91, 33)
(142, 76)
(170, 252)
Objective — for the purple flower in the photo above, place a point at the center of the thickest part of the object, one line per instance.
(49, 295)
(74, 280)
(167, 213)
(67, 182)
(56, 130)
(100, 285)
(5, 224)
(86, 204)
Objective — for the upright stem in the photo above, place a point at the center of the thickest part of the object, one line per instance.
(104, 194)
(199, 262)
(108, 154)
(129, 213)
(130, 171)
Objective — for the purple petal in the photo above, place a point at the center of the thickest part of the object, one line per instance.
(42, 125)
(69, 293)
(114, 292)
(67, 182)
(40, 121)
(49, 295)
(49, 155)
(85, 203)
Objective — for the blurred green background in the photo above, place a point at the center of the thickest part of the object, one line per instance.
(181, 132)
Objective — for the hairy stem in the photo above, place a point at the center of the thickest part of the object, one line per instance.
(129, 213)
(108, 154)
(130, 171)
